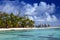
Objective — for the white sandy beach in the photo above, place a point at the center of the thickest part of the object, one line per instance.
(2, 29)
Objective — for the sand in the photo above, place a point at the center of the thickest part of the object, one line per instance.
(1, 29)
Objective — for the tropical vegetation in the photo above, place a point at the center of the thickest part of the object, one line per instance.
(14, 21)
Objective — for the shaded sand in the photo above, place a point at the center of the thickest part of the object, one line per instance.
(2, 29)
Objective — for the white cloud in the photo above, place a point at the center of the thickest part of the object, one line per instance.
(30, 9)
(54, 18)
(48, 17)
(30, 17)
(51, 18)
(38, 9)
(39, 12)
(8, 8)
(43, 10)
(23, 3)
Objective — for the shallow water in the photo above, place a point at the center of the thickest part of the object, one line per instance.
(33, 34)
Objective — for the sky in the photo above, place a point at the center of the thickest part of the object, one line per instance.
(40, 11)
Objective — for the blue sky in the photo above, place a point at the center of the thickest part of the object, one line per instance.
(41, 11)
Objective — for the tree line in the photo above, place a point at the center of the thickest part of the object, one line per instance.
(14, 21)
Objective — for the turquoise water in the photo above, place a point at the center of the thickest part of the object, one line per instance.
(35, 34)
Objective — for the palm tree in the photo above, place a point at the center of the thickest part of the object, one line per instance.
(5, 19)
(11, 20)
(0, 19)
(15, 20)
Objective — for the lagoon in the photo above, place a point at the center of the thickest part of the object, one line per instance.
(32, 34)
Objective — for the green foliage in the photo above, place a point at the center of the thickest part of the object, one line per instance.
(12, 21)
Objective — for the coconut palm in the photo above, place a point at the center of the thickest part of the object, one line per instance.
(11, 20)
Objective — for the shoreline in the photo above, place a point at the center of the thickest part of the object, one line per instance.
(3, 29)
